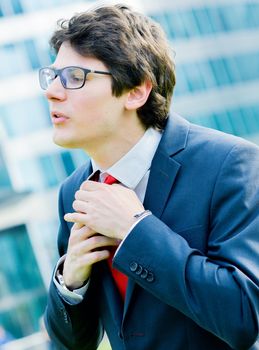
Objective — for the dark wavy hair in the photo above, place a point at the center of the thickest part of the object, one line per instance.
(132, 46)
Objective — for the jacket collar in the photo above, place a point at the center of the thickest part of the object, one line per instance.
(164, 167)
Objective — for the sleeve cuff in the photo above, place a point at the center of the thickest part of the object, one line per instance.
(71, 297)
(139, 217)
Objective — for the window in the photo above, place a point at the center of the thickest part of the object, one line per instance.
(73, 159)
(13, 7)
(248, 65)
(17, 8)
(181, 86)
(175, 24)
(223, 122)
(14, 59)
(6, 8)
(234, 17)
(22, 293)
(5, 182)
(208, 20)
(219, 70)
(32, 177)
(193, 76)
(215, 19)
(32, 54)
(240, 121)
(233, 69)
(68, 162)
(79, 157)
(203, 21)
(253, 13)
(24, 56)
(25, 116)
(51, 169)
(207, 76)
(44, 54)
(201, 75)
(190, 23)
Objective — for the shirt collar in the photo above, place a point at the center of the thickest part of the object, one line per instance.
(131, 168)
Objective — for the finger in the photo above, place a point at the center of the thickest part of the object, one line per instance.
(84, 195)
(77, 226)
(80, 234)
(76, 217)
(80, 206)
(96, 242)
(94, 257)
(89, 185)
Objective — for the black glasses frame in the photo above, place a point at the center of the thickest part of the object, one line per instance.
(58, 72)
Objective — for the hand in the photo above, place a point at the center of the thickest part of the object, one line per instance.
(107, 209)
(85, 248)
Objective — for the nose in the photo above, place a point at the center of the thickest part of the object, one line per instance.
(56, 91)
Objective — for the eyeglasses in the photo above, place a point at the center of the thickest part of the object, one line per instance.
(71, 77)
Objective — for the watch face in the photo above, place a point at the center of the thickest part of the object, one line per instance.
(60, 280)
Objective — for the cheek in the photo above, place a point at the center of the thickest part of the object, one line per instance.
(97, 107)
(83, 109)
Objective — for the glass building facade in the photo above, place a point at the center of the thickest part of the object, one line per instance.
(31, 167)
(216, 50)
(218, 64)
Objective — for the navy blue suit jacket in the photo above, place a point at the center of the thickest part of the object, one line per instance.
(192, 265)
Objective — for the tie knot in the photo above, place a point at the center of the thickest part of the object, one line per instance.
(109, 180)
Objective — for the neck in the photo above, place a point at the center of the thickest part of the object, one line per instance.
(108, 152)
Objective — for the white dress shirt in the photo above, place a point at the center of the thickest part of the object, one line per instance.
(132, 171)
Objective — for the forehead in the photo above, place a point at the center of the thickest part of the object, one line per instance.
(68, 56)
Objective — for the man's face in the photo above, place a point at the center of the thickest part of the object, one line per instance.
(89, 117)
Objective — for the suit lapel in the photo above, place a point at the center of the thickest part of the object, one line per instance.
(162, 176)
(164, 167)
(163, 172)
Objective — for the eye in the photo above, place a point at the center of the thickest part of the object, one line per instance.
(75, 75)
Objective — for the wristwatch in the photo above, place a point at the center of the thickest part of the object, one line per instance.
(60, 280)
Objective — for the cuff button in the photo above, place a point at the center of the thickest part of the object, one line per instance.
(144, 273)
(150, 277)
(133, 266)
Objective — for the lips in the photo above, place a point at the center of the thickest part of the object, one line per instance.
(58, 118)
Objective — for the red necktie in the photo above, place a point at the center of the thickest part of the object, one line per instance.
(120, 279)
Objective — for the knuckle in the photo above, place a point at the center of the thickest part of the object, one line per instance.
(89, 220)
(71, 241)
(72, 238)
(77, 194)
(96, 240)
(97, 255)
(82, 185)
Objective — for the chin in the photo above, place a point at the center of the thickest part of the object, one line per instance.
(64, 142)
(70, 141)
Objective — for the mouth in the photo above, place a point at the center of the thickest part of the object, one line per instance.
(58, 118)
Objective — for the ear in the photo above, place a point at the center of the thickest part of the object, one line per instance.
(138, 96)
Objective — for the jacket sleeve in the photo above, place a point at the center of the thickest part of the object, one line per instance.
(219, 289)
(73, 327)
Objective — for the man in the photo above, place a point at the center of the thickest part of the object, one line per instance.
(182, 215)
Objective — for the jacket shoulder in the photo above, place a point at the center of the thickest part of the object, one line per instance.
(213, 140)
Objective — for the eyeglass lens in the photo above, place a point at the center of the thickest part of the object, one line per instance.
(71, 77)
(74, 77)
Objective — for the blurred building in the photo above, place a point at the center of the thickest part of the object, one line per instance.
(31, 166)
(216, 50)
(217, 61)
